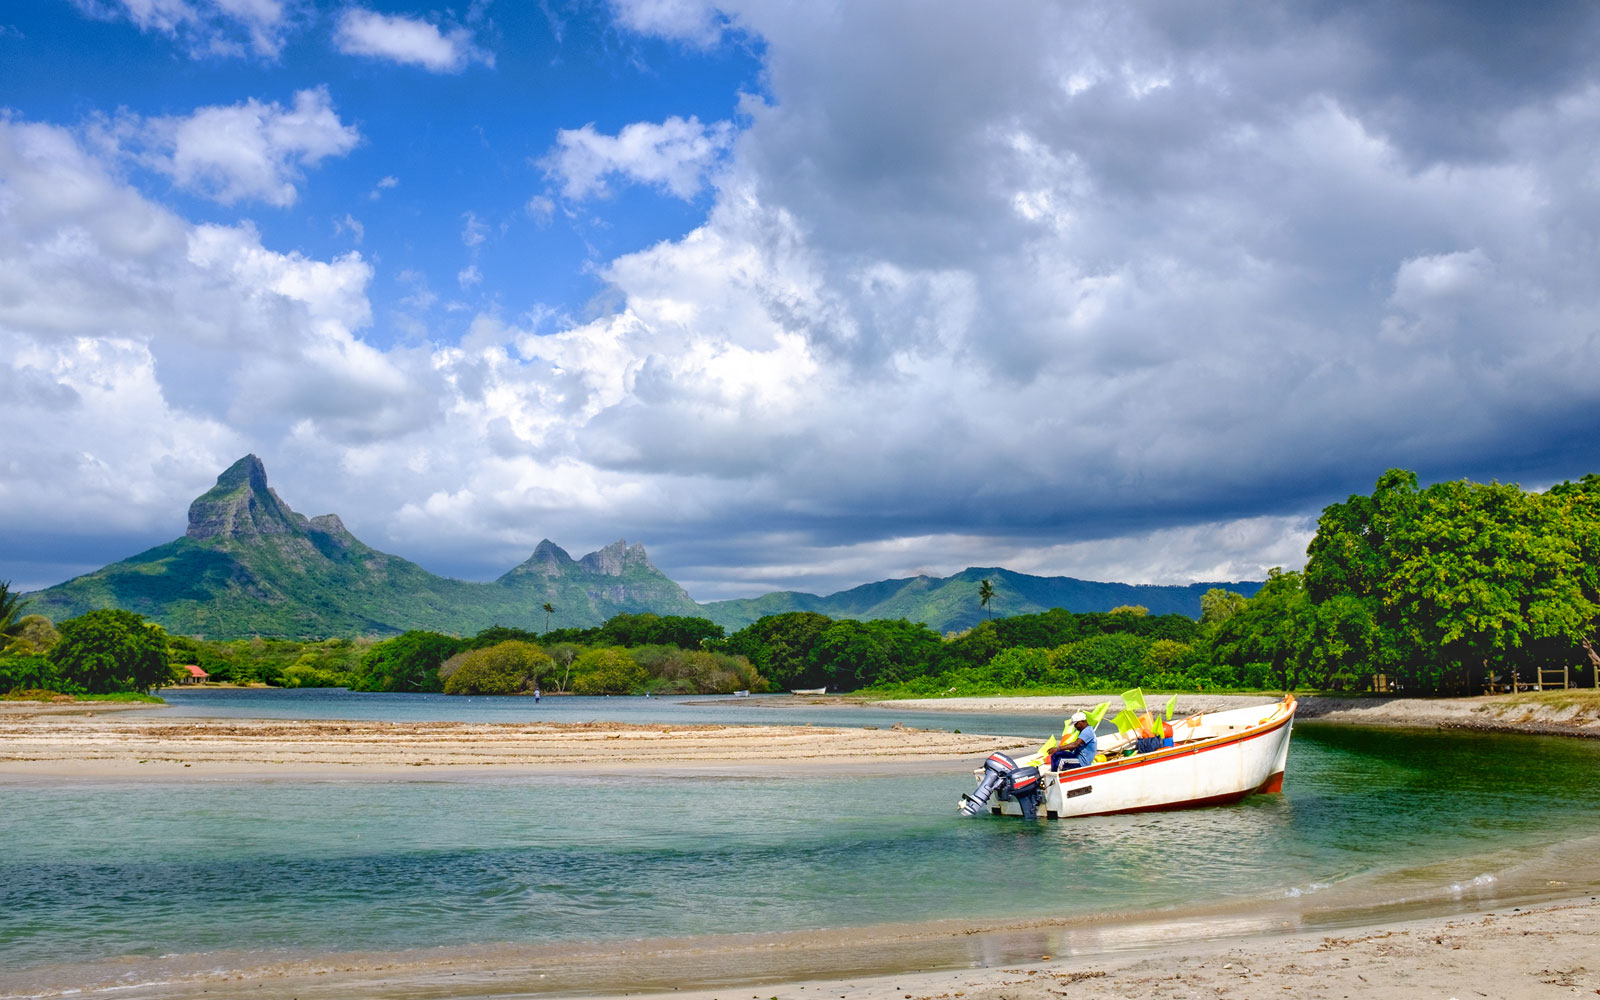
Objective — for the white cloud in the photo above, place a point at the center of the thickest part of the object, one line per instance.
(408, 41)
(383, 185)
(694, 21)
(207, 27)
(675, 156)
(473, 230)
(150, 352)
(469, 276)
(248, 151)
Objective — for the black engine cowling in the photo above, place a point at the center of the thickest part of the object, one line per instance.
(1001, 774)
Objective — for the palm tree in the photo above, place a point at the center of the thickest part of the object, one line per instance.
(548, 611)
(985, 595)
(11, 606)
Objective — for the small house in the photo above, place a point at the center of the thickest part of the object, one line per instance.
(196, 675)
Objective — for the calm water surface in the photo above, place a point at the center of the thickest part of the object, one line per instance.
(94, 870)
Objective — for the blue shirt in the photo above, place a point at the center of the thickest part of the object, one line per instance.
(1085, 753)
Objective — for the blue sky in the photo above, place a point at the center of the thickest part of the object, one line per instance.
(797, 295)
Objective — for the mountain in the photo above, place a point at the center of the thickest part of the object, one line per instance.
(249, 565)
(951, 603)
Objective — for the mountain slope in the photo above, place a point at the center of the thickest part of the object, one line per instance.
(249, 565)
(951, 603)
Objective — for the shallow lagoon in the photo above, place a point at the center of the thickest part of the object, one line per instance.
(95, 870)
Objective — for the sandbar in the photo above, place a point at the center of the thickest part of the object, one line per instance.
(115, 746)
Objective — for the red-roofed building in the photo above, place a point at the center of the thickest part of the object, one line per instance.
(196, 675)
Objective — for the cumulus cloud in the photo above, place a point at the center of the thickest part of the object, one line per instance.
(1094, 289)
(206, 27)
(148, 351)
(247, 151)
(674, 156)
(407, 40)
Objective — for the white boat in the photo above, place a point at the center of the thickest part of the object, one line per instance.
(820, 690)
(741, 694)
(1215, 758)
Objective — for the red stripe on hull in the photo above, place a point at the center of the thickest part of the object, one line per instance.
(1272, 784)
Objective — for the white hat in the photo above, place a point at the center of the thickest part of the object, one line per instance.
(1079, 717)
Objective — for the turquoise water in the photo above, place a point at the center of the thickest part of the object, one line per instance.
(93, 870)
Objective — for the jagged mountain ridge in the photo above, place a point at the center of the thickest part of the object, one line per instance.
(249, 565)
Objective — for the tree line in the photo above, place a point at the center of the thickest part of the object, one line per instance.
(1442, 589)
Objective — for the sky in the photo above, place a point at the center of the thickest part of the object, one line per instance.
(799, 296)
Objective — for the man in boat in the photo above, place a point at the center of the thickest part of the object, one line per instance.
(1078, 753)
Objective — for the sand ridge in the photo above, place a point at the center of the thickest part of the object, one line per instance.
(83, 744)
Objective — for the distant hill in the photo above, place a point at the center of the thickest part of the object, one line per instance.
(248, 565)
(951, 603)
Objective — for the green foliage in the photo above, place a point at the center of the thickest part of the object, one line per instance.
(408, 662)
(110, 650)
(696, 671)
(782, 647)
(11, 608)
(610, 670)
(31, 634)
(1218, 605)
(510, 667)
(1455, 581)
(30, 671)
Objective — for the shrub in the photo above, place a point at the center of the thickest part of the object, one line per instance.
(509, 667)
(607, 671)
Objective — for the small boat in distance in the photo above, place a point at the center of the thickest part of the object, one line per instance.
(741, 694)
(1215, 758)
(820, 690)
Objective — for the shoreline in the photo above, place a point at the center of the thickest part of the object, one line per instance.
(1459, 951)
(1484, 713)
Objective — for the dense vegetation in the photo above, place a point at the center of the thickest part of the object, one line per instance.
(1437, 589)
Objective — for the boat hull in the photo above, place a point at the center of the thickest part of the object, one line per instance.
(1228, 756)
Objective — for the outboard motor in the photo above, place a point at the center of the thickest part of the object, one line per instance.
(995, 772)
(1001, 774)
(1022, 784)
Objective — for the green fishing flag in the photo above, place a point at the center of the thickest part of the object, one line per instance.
(1097, 713)
(1134, 700)
(1126, 722)
(1171, 704)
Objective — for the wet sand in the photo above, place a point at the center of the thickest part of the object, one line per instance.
(1532, 951)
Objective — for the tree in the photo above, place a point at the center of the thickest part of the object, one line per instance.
(985, 595)
(11, 606)
(1460, 579)
(1218, 605)
(408, 662)
(781, 647)
(1268, 630)
(549, 609)
(111, 650)
(607, 671)
(507, 668)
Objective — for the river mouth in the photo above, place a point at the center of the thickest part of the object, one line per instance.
(590, 884)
